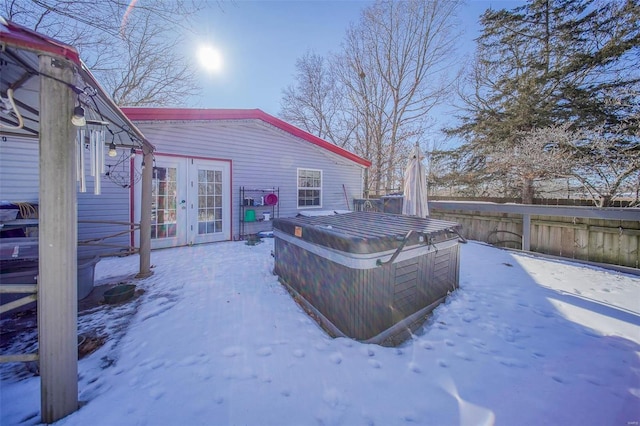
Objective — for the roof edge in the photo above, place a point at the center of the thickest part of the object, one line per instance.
(19, 36)
(22, 38)
(115, 108)
(165, 114)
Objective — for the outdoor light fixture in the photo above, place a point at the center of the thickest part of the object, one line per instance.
(112, 150)
(78, 119)
(133, 152)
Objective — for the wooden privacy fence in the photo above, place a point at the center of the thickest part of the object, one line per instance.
(604, 235)
(622, 202)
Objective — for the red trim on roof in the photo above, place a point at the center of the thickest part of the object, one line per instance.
(16, 35)
(153, 114)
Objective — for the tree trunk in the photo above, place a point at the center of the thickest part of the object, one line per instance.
(366, 183)
(527, 191)
(605, 201)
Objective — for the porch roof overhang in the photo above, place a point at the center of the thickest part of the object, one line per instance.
(193, 114)
(20, 49)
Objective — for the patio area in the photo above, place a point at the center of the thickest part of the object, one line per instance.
(215, 339)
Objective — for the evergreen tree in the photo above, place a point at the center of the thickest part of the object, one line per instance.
(549, 62)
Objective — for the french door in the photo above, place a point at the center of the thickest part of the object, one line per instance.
(209, 201)
(191, 201)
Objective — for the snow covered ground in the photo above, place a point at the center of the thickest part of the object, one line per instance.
(216, 340)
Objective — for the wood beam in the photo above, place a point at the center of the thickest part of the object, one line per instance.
(58, 236)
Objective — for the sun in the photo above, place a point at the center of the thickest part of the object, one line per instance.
(210, 58)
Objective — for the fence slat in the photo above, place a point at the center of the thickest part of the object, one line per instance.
(609, 235)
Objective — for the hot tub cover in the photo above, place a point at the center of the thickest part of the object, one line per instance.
(366, 232)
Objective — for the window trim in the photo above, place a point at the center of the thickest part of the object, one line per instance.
(298, 188)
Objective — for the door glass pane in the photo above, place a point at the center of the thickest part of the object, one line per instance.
(210, 201)
(163, 205)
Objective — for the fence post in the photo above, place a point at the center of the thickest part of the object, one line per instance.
(526, 232)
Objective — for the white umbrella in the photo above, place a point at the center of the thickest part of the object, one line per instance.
(415, 186)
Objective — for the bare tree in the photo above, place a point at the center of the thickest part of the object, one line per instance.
(533, 156)
(153, 72)
(605, 167)
(602, 160)
(386, 80)
(315, 102)
(393, 61)
(366, 99)
(131, 47)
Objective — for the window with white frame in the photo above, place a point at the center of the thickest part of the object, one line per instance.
(309, 188)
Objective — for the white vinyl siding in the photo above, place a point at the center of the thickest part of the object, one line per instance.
(19, 182)
(309, 188)
(261, 157)
(19, 174)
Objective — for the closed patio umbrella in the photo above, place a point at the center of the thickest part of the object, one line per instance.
(415, 186)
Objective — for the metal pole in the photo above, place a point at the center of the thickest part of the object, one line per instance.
(145, 216)
(58, 236)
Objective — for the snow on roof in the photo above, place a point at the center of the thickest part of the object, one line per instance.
(165, 114)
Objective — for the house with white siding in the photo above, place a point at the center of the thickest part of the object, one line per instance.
(219, 172)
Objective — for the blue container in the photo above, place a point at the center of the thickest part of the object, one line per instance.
(26, 272)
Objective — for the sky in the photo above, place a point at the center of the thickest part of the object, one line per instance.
(260, 41)
(212, 338)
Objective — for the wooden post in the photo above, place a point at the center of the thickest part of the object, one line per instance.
(58, 236)
(526, 232)
(145, 216)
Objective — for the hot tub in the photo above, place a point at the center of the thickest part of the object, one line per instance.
(367, 275)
